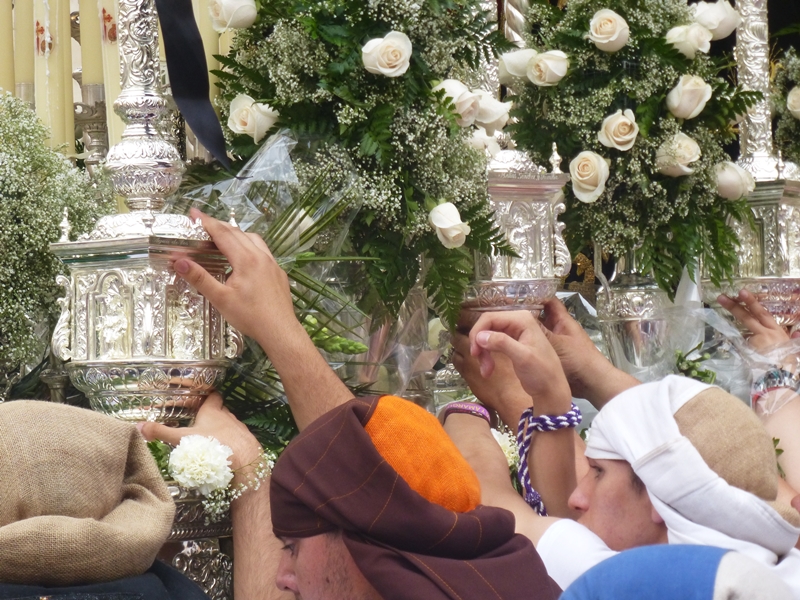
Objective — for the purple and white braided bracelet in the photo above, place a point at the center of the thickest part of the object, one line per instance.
(527, 425)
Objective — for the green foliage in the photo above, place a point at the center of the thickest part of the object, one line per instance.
(692, 367)
(160, 452)
(449, 272)
(787, 131)
(677, 220)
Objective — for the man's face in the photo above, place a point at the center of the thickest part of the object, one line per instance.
(321, 568)
(612, 507)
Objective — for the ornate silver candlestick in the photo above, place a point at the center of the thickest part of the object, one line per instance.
(141, 343)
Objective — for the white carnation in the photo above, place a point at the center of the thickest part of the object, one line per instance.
(201, 463)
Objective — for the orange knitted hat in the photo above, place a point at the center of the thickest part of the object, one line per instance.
(414, 443)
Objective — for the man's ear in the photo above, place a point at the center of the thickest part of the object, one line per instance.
(655, 517)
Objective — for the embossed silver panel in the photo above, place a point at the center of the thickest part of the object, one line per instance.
(526, 201)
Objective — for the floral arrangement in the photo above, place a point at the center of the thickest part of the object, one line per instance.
(627, 91)
(786, 98)
(36, 185)
(383, 81)
(201, 463)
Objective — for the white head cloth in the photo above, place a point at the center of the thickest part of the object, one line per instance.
(697, 505)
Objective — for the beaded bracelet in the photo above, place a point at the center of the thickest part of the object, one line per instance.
(774, 379)
(527, 425)
(467, 408)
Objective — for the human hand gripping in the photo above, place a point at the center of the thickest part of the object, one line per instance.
(213, 420)
(748, 311)
(518, 336)
(256, 298)
(590, 374)
(502, 390)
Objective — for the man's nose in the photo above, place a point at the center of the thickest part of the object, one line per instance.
(285, 578)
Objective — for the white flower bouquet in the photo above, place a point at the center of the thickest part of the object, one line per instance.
(786, 90)
(642, 112)
(383, 80)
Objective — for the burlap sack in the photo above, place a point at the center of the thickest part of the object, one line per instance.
(733, 443)
(81, 499)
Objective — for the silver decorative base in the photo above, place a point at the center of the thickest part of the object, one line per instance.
(509, 294)
(169, 392)
(200, 557)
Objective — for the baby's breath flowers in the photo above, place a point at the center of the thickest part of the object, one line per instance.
(36, 185)
(643, 115)
(786, 96)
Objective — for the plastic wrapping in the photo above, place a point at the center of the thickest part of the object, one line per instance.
(784, 356)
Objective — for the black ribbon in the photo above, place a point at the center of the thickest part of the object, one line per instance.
(188, 74)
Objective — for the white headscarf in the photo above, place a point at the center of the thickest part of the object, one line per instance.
(697, 505)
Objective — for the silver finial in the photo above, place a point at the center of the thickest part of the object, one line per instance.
(65, 226)
(555, 160)
(232, 221)
(780, 165)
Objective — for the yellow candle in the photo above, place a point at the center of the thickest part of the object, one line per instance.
(111, 77)
(7, 81)
(210, 42)
(91, 52)
(52, 71)
(24, 44)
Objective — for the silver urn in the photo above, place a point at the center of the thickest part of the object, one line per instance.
(526, 200)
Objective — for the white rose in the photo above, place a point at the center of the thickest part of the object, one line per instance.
(793, 102)
(619, 130)
(733, 182)
(201, 463)
(389, 55)
(250, 117)
(720, 18)
(483, 142)
(493, 114)
(514, 64)
(467, 103)
(689, 39)
(689, 97)
(674, 156)
(548, 68)
(235, 14)
(608, 31)
(589, 173)
(447, 223)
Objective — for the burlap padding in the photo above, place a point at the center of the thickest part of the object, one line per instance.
(332, 477)
(81, 499)
(734, 444)
(399, 430)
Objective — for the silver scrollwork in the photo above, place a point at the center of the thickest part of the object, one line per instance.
(234, 345)
(202, 562)
(61, 334)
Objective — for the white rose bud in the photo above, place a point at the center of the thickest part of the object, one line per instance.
(232, 14)
(389, 55)
(250, 117)
(589, 173)
(733, 182)
(793, 102)
(690, 39)
(720, 18)
(493, 114)
(467, 103)
(548, 68)
(446, 221)
(514, 64)
(608, 31)
(674, 156)
(619, 130)
(689, 97)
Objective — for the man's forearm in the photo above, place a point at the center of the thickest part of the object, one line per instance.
(311, 386)
(601, 381)
(257, 551)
